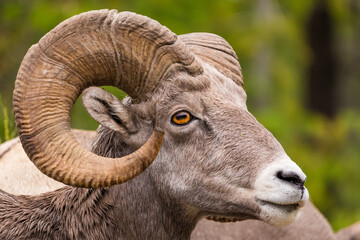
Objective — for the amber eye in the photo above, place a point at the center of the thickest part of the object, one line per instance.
(181, 118)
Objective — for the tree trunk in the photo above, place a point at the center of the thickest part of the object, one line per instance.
(322, 71)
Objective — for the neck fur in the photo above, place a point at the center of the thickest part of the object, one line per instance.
(141, 206)
(142, 214)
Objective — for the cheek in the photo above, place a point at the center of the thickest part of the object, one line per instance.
(179, 163)
(188, 160)
(229, 170)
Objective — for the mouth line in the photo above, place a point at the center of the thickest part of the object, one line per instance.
(289, 207)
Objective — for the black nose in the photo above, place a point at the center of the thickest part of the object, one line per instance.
(291, 177)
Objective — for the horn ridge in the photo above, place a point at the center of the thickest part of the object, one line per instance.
(215, 51)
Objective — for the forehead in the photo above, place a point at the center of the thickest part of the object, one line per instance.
(224, 90)
(210, 88)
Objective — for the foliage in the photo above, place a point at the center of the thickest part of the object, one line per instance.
(269, 38)
(7, 124)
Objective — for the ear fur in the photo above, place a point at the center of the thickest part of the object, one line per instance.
(108, 110)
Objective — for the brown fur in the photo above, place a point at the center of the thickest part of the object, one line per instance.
(67, 213)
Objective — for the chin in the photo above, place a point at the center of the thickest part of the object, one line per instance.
(279, 214)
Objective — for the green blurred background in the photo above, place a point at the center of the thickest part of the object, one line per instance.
(300, 61)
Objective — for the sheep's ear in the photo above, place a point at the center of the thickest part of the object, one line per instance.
(108, 110)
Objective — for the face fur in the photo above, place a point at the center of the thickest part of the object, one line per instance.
(214, 157)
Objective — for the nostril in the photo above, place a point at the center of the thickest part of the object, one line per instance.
(291, 177)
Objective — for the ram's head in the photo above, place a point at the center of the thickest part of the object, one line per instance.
(187, 107)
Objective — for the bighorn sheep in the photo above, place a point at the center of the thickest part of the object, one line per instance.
(187, 108)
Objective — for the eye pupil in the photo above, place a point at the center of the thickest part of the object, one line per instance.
(181, 118)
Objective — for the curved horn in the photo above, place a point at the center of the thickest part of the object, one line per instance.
(125, 50)
(215, 51)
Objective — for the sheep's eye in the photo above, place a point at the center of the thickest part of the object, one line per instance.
(181, 118)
